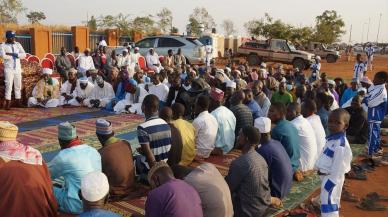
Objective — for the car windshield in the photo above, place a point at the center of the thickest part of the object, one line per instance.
(291, 46)
(194, 41)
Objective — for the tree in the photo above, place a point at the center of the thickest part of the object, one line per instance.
(329, 27)
(198, 17)
(165, 20)
(144, 24)
(9, 9)
(92, 24)
(228, 27)
(35, 16)
(269, 28)
(174, 30)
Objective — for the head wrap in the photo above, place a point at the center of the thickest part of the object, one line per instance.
(99, 80)
(94, 186)
(73, 70)
(93, 71)
(83, 80)
(10, 34)
(47, 71)
(153, 169)
(66, 131)
(147, 79)
(217, 94)
(103, 127)
(366, 80)
(231, 84)
(201, 71)
(263, 124)
(8, 131)
(332, 82)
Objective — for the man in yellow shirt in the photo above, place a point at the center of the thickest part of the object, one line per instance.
(187, 132)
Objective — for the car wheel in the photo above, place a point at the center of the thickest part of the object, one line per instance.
(331, 58)
(299, 63)
(253, 60)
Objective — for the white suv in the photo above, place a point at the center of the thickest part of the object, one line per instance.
(191, 48)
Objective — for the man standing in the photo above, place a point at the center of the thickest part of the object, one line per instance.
(248, 177)
(63, 64)
(179, 60)
(12, 51)
(369, 51)
(360, 67)
(209, 53)
(85, 62)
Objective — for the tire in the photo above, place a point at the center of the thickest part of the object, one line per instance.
(299, 63)
(331, 58)
(253, 60)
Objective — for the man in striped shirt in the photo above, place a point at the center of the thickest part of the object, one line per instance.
(154, 136)
(359, 68)
(369, 51)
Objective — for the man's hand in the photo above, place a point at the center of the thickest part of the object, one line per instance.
(39, 100)
(68, 97)
(127, 107)
(45, 101)
(97, 103)
(79, 99)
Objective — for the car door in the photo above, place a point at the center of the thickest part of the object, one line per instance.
(145, 44)
(165, 44)
(280, 51)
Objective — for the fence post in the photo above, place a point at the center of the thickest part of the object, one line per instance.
(136, 36)
(2, 33)
(80, 37)
(41, 40)
(112, 37)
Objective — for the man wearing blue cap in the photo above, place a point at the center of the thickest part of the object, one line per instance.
(11, 52)
(75, 160)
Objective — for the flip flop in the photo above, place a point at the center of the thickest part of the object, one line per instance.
(350, 197)
(376, 196)
(356, 175)
(371, 205)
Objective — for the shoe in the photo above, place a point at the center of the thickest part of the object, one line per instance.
(7, 105)
(371, 205)
(19, 104)
(375, 196)
(356, 175)
(348, 196)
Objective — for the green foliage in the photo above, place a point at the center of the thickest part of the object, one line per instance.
(92, 24)
(200, 16)
(328, 29)
(174, 30)
(9, 9)
(35, 16)
(144, 24)
(165, 20)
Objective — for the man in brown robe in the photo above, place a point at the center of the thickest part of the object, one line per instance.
(26, 188)
(116, 159)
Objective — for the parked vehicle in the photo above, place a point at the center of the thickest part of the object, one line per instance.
(321, 50)
(275, 50)
(191, 48)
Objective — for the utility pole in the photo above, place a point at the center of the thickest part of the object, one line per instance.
(378, 30)
(350, 36)
(367, 34)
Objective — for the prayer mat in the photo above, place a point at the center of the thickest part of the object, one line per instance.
(18, 115)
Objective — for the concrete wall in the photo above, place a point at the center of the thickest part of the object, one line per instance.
(41, 41)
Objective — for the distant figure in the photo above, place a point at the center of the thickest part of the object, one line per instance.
(360, 67)
(63, 64)
(85, 62)
(209, 53)
(369, 51)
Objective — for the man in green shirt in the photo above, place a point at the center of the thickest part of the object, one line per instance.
(282, 96)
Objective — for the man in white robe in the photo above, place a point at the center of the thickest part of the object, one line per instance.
(81, 92)
(46, 91)
(153, 62)
(68, 88)
(85, 62)
(308, 143)
(101, 94)
(159, 89)
(133, 99)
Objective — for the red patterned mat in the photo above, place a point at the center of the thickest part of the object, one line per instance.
(18, 115)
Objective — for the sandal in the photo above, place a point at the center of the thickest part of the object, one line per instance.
(356, 175)
(371, 205)
(375, 196)
(349, 196)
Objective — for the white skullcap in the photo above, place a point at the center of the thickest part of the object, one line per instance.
(362, 89)
(94, 186)
(231, 84)
(332, 82)
(125, 50)
(263, 65)
(83, 80)
(263, 124)
(238, 72)
(136, 48)
(228, 69)
(47, 71)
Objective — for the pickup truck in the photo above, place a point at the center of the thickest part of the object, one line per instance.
(320, 49)
(275, 50)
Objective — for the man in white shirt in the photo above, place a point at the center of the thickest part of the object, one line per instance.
(360, 68)
(308, 143)
(153, 62)
(159, 89)
(11, 52)
(133, 99)
(206, 127)
(85, 62)
(309, 108)
(82, 91)
(209, 53)
(101, 94)
(68, 88)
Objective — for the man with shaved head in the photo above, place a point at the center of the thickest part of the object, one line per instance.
(308, 143)
(242, 113)
(175, 153)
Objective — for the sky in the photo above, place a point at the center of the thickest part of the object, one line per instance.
(355, 13)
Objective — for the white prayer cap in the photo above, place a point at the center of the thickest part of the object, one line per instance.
(263, 65)
(231, 84)
(332, 82)
(263, 124)
(228, 69)
(94, 186)
(362, 89)
(83, 80)
(136, 48)
(125, 50)
(238, 72)
(47, 71)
